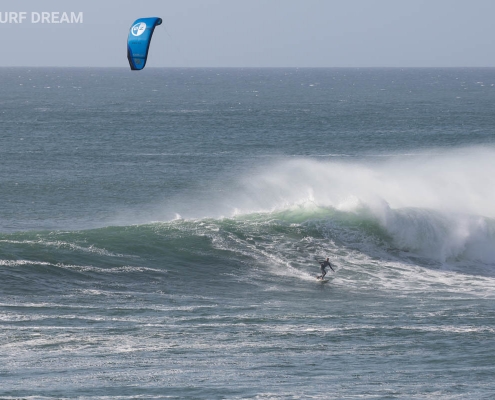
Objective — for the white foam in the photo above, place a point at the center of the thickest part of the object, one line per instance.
(18, 263)
(439, 204)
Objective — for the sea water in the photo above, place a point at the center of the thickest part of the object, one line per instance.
(159, 233)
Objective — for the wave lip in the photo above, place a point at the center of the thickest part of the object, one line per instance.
(442, 236)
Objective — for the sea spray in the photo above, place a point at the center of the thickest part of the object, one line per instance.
(458, 181)
(437, 204)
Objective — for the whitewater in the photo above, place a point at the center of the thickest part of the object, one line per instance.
(159, 234)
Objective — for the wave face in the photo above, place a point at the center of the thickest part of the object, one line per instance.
(439, 206)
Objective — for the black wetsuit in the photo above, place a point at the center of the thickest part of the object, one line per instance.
(323, 265)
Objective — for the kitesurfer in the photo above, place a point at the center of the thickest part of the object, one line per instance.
(323, 265)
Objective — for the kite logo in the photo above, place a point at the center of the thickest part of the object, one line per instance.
(138, 29)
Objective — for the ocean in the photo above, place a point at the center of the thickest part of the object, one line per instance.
(160, 231)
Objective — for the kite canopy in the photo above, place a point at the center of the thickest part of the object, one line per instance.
(138, 41)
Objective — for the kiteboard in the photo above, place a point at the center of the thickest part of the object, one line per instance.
(321, 280)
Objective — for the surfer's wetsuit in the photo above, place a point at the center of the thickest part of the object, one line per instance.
(323, 265)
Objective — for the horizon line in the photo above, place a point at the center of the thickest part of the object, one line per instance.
(239, 67)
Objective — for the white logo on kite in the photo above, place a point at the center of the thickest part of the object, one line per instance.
(138, 29)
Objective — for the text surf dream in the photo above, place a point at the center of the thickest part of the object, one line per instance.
(43, 17)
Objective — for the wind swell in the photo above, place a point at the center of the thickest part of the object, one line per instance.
(246, 250)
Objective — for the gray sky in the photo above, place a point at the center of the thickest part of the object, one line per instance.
(259, 33)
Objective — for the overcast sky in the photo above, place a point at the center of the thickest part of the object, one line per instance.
(258, 33)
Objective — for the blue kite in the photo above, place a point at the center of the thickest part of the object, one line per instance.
(139, 39)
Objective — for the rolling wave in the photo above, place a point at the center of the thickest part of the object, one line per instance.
(414, 248)
(379, 222)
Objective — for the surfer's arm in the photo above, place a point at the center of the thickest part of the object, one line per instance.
(327, 264)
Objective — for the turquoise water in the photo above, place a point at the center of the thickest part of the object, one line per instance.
(158, 233)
